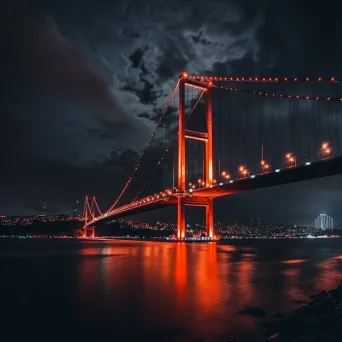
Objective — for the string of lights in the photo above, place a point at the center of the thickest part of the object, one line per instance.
(167, 149)
(97, 206)
(282, 96)
(137, 166)
(264, 79)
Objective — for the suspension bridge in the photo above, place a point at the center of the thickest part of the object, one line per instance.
(219, 136)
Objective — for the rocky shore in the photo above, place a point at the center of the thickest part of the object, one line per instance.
(320, 320)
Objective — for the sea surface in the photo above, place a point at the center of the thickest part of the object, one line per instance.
(67, 290)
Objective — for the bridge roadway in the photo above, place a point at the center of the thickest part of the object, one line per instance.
(317, 169)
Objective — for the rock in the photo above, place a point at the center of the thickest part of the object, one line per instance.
(252, 311)
(319, 320)
(319, 295)
(273, 337)
(278, 315)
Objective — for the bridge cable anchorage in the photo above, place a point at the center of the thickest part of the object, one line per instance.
(137, 166)
(263, 79)
(281, 96)
(168, 148)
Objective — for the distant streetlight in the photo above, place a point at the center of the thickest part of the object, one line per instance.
(325, 150)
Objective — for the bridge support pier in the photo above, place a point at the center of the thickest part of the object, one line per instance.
(209, 218)
(89, 232)
(181, 218)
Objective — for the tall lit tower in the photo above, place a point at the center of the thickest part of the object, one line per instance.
(44, 209)
(75, 210)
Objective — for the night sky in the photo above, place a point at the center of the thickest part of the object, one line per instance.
(82, 81)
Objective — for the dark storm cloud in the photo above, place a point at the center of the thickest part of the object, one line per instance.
(84, 80)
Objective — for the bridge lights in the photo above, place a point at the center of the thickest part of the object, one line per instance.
(325, 150)
(225, 175)
(264, 166)
(290, 160)
(243, 172)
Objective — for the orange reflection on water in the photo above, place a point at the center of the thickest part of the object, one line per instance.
(292, 282)
(293, 261)
(330, 273)
(227, 248)
(206, 281)
(180, 272)
(245, 273)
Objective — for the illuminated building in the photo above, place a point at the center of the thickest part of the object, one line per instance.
(44, 209)
(323, 221)
(75, 210)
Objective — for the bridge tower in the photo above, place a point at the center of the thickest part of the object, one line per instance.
(89, 214)
(207, 138)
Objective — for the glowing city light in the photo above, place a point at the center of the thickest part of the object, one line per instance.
(290, 160)
(325, 150)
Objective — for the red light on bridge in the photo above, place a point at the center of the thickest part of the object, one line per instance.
(325, 150)
(290, 159)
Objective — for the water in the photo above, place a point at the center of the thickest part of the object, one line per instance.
(64, 290)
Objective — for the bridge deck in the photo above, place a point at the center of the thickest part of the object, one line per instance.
(318, 169)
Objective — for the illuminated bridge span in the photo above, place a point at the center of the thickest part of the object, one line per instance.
(219, 136)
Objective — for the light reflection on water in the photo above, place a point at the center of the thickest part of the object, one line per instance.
(160, 291)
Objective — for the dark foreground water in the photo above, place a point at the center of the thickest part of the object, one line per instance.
(120, 291)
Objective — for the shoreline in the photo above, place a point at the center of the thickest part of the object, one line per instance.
(317, 321)
(152, 239)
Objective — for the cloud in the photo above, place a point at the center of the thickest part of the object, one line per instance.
(82, 86)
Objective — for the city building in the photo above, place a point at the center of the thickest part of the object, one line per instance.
(44, 209)
(75, 210)
(323, 221)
